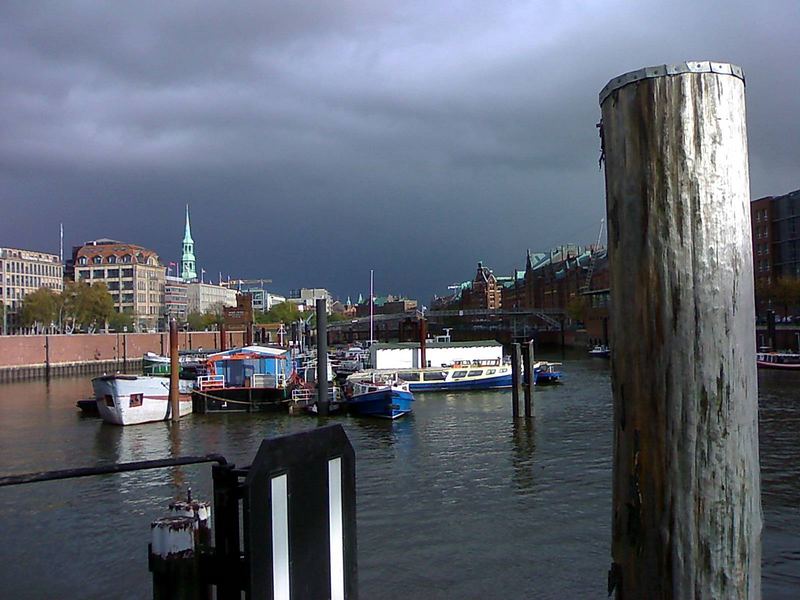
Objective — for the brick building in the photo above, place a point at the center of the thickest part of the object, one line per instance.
(133, 275)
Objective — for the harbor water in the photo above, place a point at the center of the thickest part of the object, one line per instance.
(454, 501)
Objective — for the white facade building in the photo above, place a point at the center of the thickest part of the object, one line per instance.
(23, 272)
(202, 297)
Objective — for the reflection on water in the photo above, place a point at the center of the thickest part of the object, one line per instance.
(523, 445)
(455, 501)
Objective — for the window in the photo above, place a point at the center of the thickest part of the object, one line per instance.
(475, 373)
(126, 258)
(435, 376)
(112, 260)
(112, 273)
(491, 371)
(97, 260)
(98, 274)
(82, 260)
(408, 376)
(459, 374)
(140, 258)
(127, 272)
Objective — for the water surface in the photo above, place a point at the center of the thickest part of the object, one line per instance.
(455, 501)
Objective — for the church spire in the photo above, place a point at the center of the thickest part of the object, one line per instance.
(188, 272)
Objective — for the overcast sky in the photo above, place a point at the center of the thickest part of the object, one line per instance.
(316, 140)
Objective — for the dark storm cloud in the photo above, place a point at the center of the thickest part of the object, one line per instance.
(317, 140)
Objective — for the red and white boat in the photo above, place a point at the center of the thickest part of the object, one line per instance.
(132, 399)
(789, 361)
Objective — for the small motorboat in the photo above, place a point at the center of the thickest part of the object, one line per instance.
(546, 373)
(379, 397)
(600, 352)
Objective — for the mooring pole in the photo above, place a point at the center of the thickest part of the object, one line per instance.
(686, 497)
(423, 335)
(515, 352)
(174, 372)
(223, 342)
(529, 379)
(322, 357)
(771, 330)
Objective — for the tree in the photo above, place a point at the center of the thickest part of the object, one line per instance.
(196, 320)
(39, 309)
(119, 321)
(577, 307)
(85, 306)
(786, 292)
(285, 312)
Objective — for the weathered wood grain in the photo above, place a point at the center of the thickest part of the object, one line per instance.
(686, 491)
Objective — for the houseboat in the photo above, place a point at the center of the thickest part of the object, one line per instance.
(244, 379)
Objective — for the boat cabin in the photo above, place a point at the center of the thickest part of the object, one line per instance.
(251, 367)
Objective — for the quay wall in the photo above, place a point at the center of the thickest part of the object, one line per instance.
(31, 356)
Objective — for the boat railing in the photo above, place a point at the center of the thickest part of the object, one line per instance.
(264, 380)
(304, 396)
(210, 382)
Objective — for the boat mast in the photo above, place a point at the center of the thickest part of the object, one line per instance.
(371, 304)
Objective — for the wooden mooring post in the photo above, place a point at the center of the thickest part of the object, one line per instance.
(515, 366)
(322, 357)
(174, 372)
(529, 379)
(686, 492)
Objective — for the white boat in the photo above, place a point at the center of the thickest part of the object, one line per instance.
(600, 351)
(132, 399)
(472, 375)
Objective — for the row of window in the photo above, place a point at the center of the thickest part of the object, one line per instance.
(30, 281)
(761, 215)
(762, 249)
(113, 259)
(104, 274)
(27, 268)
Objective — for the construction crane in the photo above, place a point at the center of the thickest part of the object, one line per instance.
(590, 270)
(240, 282)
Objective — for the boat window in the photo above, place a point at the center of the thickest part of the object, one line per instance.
(136, 400)
(435, 376)
(475, 373)
(408, 376)
(504, 370)
(109, 400)
(459, 374)
(491, 371)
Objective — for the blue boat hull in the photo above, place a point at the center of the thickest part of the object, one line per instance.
(546, 377)
(488, 383)
(388, 404)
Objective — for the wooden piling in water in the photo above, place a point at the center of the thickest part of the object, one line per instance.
(174, 372)
(529, 378)
(515, 352)
(686, 496)
(322, 357)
